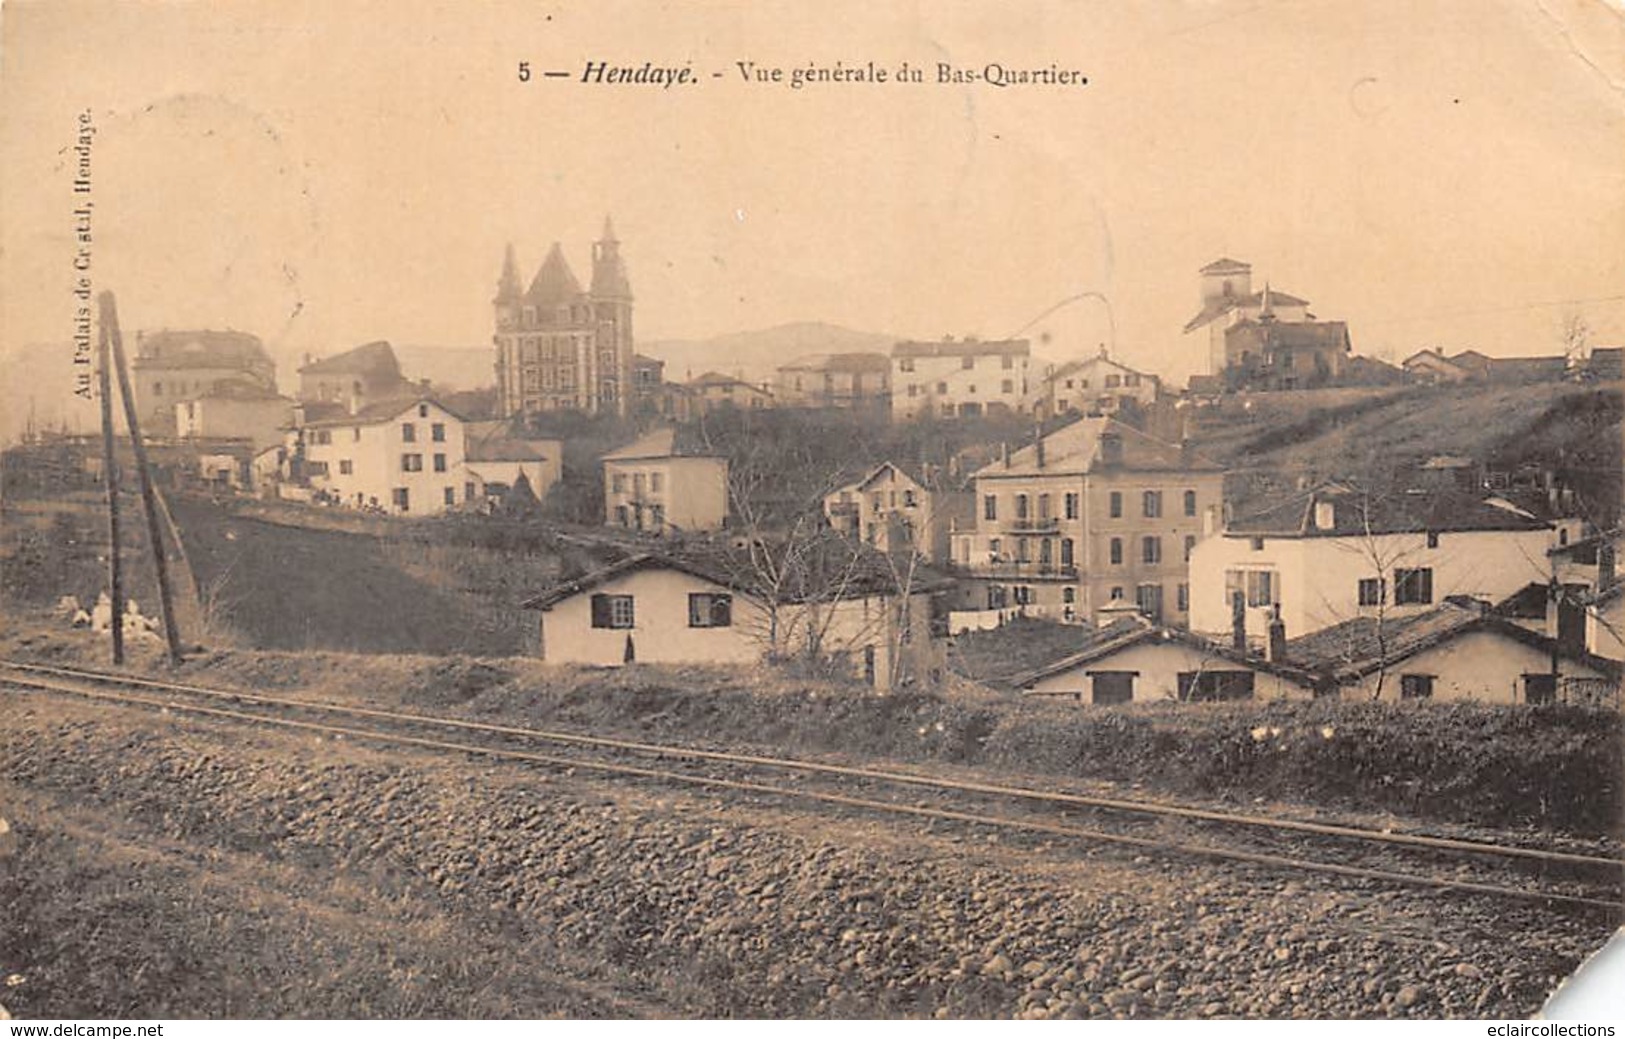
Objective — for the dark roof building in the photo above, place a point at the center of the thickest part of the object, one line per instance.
(365, 373)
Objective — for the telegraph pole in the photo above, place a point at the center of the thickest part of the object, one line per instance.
(110, 479)
(155, 533)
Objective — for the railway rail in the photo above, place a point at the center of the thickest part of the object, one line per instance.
(1568, 878)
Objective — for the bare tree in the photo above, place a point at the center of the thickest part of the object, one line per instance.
(1576, 337)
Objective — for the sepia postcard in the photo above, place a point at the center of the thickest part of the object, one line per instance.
(1068, 510)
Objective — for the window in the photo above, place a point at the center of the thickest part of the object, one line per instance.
(411, 463)
(1151, 549)
(1113, 381)
(403, 499)
(1007, 386)
(1066, 552)
(710, 610)
(990, 507)
(346, 467)
(1372, 591)
(942, 387)
(1415, 687)
(623, 516)
(1021, 506)
(1117, 551)
(451, 496)
(1116, 504)
(1190, 503)
(1208, 685)
(439, 463)
(909, 500)
(1541, 688)
(437, 432)
(906, 365)
(993, 545)
(1043, 506)
(1024, 550)
(316, 468)
(1261, 588)
(1413, 586)
(468, 491)
(355, 434)
(1148, 597)
(1258, 544)
(423, 411)
(1152, 504)
(967, 363)
(1117, 593)
(1182, 598)
(617, 483)
(157, 389)
(1111, 687)
(657, 516)
(913, 389)
(612, 611)
(1007, 362)
(995, 597)
(409, 433)
(1190, 546)
(1071, 505)
(657, 482)
(1433, 539)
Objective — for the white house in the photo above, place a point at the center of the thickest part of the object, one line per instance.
(1452, 652)
(895, 506)
(709, 607)
(403, 456)
(1131, 660)
(1228, 299)
(664, 482)
(1098, 386)
(495, 459)
(1336, 553)
(1605, 623)
(959, 378)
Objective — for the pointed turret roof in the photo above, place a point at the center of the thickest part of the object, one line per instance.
(554, 283)
(609, 231)
(608, 269)
(508, 283)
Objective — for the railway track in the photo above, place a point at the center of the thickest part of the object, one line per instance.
(1510, 871)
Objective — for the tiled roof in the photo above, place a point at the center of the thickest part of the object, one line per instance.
(1363, 645)
(201, 349)
(555, 284)
(963, 348)
(374, 360)
(666, 442)
(832, 568)
(1295, 334)
(843, 362)
(1225, 265)
(371, 415)
(1075, 448)
(1355, 513)
(1130, 631)
(1219, 307)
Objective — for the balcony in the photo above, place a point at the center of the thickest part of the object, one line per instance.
(1016, 570)
(1033, 525)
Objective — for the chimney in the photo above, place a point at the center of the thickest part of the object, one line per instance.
(1605, 565)
(1276, 648)
(1185, 452)
(1004, 454)
(1325, 515)
(1038, 446)
(1238, 621)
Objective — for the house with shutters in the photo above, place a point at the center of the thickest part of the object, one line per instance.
(1092, 515)
(1228, 299)
(1457, 650)
(1131, 660)
(962, 378)
(664, 482)
(896, 507)
(1339, 552)
(839, 610)
(1094, 386)
(404, 456)
(854, 380)
(360, 376)
(171, 367)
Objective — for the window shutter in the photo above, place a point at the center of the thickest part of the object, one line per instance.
(600, 611)
(722, 611)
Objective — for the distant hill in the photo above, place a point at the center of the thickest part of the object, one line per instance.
(754, 356)
(460, 367)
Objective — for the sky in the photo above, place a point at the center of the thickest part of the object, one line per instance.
(325, 174)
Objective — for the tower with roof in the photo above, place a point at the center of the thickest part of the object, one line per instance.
(559, 346)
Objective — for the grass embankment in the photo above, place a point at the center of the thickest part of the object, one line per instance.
(1554, 768)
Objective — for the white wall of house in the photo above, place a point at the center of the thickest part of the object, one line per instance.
(260, 420)
(1156, 667)
(1316, 579)
(538, 471)
(377, 468)
(661, 633)
(1480, 665)
(1605, 623)
(668, 492)
(942, 386)
(1097, 380)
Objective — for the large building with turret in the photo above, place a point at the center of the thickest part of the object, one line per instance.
(559, 347)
